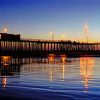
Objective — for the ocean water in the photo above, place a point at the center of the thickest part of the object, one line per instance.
(50, 78)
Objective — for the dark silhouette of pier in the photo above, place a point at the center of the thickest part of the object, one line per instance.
(13, 45)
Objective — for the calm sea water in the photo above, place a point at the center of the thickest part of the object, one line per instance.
(50, 78)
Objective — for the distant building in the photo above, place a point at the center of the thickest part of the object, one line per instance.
(9, 37)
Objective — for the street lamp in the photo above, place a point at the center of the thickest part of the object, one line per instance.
(5, 30)
(52, 37)
(86, 31)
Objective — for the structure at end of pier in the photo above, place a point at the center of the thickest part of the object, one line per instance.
(9, 37)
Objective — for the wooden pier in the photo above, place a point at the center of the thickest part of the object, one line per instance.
(43, 47)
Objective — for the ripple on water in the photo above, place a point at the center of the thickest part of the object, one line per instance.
(55, 81)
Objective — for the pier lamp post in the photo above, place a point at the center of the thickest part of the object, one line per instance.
(86, 31)
(52, 37)
(63, 37)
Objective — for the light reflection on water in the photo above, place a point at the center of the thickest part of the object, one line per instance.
(86, 69)
(59, 77)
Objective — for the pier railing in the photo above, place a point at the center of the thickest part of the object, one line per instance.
(38, 47)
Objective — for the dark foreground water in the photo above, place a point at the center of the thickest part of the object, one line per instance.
(51, 78)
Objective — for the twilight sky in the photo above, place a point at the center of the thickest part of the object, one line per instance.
(37, 18)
